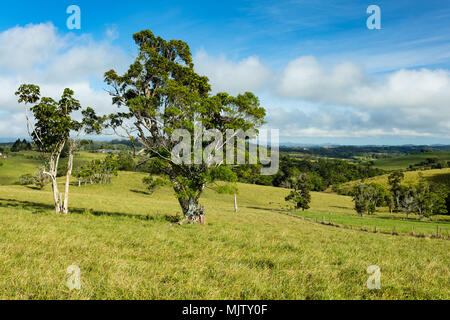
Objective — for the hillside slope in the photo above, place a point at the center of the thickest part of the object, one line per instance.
(411, 177)
(403, 162)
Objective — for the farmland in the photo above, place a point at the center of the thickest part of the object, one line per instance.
(128, 247)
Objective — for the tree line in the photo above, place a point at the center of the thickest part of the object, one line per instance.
(424, 198)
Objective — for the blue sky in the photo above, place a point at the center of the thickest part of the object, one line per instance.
(321, 73)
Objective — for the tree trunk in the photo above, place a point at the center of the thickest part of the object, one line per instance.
(192, 210)
(53, 166)
(235, 204)
(53, 163)
(56, 195)
(68, 175)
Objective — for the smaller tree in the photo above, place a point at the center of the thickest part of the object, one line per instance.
(300, 196)
(408, 202)
(368, 197)
(51, 132)
(396, 189)
(98, 171)
(41, 179)
(26, 180)
(153, 183)
(428, 201)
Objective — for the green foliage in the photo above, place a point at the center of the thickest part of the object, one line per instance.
(153, 183)
(21, 145)
(323, 173)
(429, 200)
(53, 118)
(26, 180)
(41, 179)
(125, 162)
(396, 189)
(368, 197)
(300, 196)
(98, 171)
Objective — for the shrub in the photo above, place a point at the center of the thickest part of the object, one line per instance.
(26, 180)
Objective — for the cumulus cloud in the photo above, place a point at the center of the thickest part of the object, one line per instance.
(39, 54)
(24, 47)
(235, 77)
(348, 84)
(349, 122)
(404, 102)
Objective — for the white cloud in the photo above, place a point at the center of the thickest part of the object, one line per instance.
(306, 99)
(401, 103)
(24, 47)
(347, 84)
(38, 54)
(234, 77)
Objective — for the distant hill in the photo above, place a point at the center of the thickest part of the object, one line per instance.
(420, 159)
(411, 177)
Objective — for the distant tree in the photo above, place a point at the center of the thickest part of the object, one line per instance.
(379, 194)
(300, 196)
(26, 180)
(447, 201)
(98, 171)
(153, 183)
(21, 145)
(428, 201)
(126, 162)
(408, 201)
(367, 197)
(40, 179)
(51, 132)
(396, 189)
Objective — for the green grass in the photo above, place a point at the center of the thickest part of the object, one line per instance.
(26, 162)
(403, 162)
(127, 247)
(16, 166)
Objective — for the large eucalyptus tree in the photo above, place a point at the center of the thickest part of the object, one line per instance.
(161, 93)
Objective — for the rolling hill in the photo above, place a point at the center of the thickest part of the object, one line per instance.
(127, 246)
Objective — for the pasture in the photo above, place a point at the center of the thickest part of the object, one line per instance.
(127, 246)
(403, 162)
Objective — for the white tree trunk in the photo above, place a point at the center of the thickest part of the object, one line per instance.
(68, 175)
(235, 204)
(53, 166)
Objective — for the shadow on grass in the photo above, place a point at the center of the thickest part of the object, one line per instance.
(442, 178)
(37, 207)
(269, 209)
(141, 192)
(340, 207)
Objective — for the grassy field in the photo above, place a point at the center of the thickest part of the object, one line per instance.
(26, 162)
(403, 162)
(127, 247)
